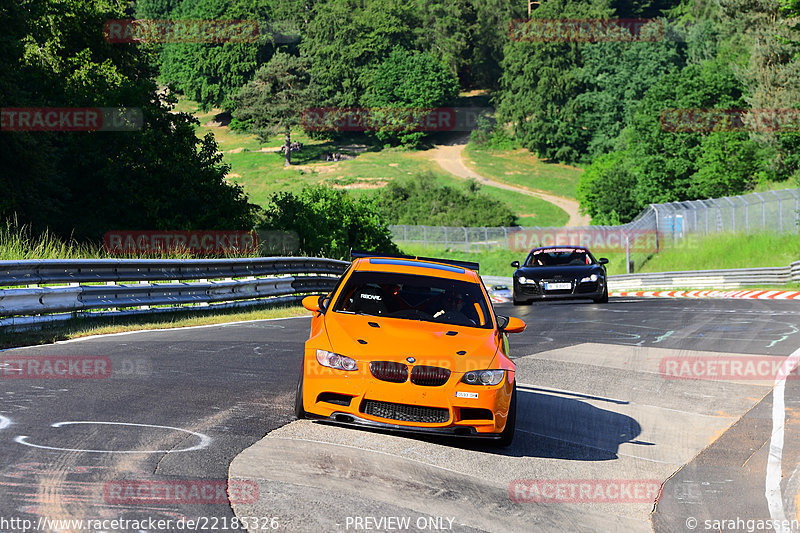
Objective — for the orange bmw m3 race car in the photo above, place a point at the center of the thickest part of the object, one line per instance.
(410, 344)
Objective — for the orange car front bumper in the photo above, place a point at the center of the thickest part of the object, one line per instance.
(357, 397)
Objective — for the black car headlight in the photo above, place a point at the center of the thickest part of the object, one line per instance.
(334, 360)
(593, 277)
(483, 377)
(526, 281)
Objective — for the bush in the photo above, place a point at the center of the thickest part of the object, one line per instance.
(329, 222)
(421, 200)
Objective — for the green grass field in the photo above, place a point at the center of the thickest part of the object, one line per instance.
(520, 167)
(259, 169)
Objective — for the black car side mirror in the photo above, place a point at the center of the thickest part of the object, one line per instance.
(502, 321)
(602, 261)
(323, 303)
(515, 264)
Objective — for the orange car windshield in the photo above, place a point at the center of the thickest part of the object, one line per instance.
(412, 297)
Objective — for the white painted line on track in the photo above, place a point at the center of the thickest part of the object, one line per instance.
(4, 422)
(774, 468)
(205, 440)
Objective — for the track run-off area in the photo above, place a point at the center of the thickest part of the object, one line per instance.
(643, 414)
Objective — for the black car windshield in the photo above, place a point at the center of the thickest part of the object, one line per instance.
(412, 297)
(560, 257)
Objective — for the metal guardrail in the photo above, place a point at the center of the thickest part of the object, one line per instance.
(693, 279)
(708, 279)
(132, 286)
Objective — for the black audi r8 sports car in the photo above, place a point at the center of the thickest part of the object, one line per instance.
(560, 272)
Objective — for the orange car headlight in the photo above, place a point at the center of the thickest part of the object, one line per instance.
(483, 377)
(335, 360)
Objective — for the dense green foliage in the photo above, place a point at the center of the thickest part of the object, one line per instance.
(580, 101)
(407, 80)
(275, 99)
(422, 201)
(330, 222)
(86, 183)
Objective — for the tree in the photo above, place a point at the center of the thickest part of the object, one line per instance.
(345, 36)
(539, 85)
(606, 189)
(86, 183)
(666, 160)
(613, 89)
(211, 72)
(276, 98)
(330, 222)
(155, 9)
(407, 79)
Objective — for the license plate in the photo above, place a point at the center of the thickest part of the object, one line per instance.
(472, 395)
(557, 286)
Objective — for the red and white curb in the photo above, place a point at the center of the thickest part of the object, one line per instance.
(744, 294)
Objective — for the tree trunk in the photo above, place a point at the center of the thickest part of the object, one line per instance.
(288, 148)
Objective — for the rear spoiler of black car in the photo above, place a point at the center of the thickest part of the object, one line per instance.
(461, 264)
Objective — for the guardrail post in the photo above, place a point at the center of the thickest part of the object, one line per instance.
(627, 254)
(425, 236)
(466, 239)
(505, 236)
(405, 233)
(445, 235)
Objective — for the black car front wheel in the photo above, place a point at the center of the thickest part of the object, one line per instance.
(602, 299)
(520, 302)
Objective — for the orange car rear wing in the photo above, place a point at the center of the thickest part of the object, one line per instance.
(354, 254)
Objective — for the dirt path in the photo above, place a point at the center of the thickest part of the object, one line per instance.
(449, 157)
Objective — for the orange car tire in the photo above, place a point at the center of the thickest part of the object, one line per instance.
(299, 409)
(507, 436)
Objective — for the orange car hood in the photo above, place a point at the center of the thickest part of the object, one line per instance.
(398, 339)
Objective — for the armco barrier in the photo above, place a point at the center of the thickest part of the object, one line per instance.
(131, 286)
(707, 279)
(697, 279)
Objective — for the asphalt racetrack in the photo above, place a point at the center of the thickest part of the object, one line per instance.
(192, 430)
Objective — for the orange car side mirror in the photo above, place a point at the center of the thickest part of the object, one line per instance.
(515, 325)
(311, 303)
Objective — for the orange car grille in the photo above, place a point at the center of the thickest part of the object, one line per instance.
(405, 413)
(429, 376)
(426, 376)
(389, 371)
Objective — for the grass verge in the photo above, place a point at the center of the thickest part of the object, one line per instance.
(520, 167)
